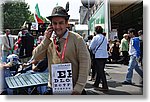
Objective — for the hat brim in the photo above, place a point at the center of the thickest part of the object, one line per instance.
(50, 17)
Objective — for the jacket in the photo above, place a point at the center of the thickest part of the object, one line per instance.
(5, 43)
(134, 47)
(26, 46)
(99, 51)
(76, 53)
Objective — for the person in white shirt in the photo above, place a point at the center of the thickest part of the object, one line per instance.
(99, 48)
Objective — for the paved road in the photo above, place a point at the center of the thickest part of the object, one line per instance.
(116, 75)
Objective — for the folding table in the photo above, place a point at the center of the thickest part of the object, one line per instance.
(27, 81)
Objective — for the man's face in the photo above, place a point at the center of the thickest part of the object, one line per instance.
(7, 32)
(130, 34)
(126, 37)
(23, 32)
(59, 25)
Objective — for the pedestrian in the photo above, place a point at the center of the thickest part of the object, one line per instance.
(114, 49)
(6, 45)
(40, 38)
(109, 45)
(99, 48)
(134, 52)
(26, 45)
(124, 47)
(9, 69)
(140, 33)
(62, 46)
(92, 69)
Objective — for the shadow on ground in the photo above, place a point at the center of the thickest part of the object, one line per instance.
(97, 91)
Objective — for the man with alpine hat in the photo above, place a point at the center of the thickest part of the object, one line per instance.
(63, 46)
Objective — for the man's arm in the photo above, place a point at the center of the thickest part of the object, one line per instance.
(84, 65)
(40, 51)
(92, 45)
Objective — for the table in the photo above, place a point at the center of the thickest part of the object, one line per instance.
(27, 80)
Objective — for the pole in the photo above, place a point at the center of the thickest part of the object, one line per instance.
(88, 17)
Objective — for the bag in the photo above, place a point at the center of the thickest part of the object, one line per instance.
(92, 55)
(99, 45)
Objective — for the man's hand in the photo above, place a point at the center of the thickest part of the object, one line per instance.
(48, 32)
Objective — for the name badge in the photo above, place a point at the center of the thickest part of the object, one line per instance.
(62, 79)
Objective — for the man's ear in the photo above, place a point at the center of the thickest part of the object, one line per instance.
(67, 23)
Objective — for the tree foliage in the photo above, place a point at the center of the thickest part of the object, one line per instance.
(15, 14)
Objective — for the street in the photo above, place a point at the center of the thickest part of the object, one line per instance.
(115, 74)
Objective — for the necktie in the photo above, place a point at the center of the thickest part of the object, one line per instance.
(8, 41)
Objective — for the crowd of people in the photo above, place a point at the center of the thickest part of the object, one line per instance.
(61, 46)
(128, 51)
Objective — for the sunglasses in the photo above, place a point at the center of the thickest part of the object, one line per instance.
(58, 44)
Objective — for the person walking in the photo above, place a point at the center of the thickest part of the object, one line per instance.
(134, 52)
(62, 46)
(140, 33)
(92, 69)
(124, 47)
(26, 45)
(6, 45)
(114, 50)
(99, 48)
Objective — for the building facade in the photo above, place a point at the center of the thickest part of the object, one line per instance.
(114, 14)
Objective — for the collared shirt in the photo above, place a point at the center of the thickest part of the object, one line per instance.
(64, 36)
(61, 40)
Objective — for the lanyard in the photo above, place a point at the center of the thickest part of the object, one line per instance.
(64, 49)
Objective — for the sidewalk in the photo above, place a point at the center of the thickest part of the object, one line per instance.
(116, 75)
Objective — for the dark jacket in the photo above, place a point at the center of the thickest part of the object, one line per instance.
(26, 46)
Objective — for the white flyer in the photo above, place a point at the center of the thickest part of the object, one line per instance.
(62, 79)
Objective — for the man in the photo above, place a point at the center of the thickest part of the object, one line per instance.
(134, 52)
(140, 33)
(99, 47)
(6, 45)
(26, 45)
(63, 46)
(124, 46)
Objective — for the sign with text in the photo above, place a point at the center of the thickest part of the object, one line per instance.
(34, 26)
(62, 79)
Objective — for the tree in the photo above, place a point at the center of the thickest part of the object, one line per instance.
(15, 14)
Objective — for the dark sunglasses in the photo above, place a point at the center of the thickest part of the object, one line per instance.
(58, 45)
